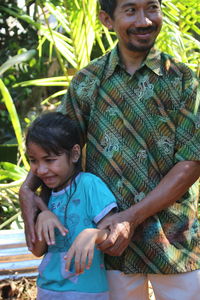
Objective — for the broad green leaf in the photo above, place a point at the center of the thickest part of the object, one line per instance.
(14, 119)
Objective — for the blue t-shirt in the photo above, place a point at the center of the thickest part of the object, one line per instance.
(79, 206)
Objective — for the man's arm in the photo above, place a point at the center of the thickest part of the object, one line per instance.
(170, 189)
(30, 203)
(39, 248)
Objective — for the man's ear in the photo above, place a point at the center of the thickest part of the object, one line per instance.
(76, 153)
(105, 19)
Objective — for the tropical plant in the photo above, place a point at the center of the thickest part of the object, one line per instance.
(73, 34)
(12, 175)
(73, 31)
(180, 35)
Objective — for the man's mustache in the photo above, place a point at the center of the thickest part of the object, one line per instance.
(141, 30)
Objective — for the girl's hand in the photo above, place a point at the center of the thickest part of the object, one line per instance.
(82, 249)
(45, 225)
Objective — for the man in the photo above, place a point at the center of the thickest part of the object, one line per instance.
(138, 112)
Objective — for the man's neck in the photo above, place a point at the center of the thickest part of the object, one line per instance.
(132, 60)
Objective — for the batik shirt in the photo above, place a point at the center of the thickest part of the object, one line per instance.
(136, 129)
(78, 207)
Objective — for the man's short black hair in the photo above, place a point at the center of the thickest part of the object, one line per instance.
(109, 6)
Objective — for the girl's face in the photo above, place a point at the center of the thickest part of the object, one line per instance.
(52, 169)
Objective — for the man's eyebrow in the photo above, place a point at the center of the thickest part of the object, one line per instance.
(128, 4)
(131, 4)
(153, 2)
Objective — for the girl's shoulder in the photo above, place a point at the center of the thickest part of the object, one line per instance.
(92, 181)
(87, 177)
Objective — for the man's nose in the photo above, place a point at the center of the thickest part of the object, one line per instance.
(142, 19)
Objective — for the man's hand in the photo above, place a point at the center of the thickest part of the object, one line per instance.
(121, 230)
(45, 225)
(30, 203)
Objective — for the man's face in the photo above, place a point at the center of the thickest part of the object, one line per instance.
(137, 24)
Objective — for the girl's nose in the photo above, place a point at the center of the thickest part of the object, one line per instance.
(42, 169)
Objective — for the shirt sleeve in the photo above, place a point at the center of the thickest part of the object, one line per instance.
(100, 199)
(74, 104)
(188, 120)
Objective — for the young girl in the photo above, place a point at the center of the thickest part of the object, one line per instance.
(72, 268)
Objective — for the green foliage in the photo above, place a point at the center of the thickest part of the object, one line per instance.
(180, 35)
(9, 210)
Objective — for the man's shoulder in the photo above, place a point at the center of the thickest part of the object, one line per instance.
(95, 69)
(172, 64)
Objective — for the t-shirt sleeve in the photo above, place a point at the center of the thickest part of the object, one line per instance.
(100, 199)
(188, 121)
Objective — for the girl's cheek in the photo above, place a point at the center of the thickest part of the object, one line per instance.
(33, 169)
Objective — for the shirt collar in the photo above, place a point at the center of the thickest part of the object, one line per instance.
(152, 61)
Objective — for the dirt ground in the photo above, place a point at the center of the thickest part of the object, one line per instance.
(21, 289)
(25, 289)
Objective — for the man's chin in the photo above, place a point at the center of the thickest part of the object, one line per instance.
(140, 48)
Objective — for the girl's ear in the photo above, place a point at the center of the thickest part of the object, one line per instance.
(105, 19)
(75, 153)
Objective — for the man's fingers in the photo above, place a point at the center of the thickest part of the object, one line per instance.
(110, 241)
(105, 223)
(118, 248)
(30, 237)
(30, 232)
(117, 240)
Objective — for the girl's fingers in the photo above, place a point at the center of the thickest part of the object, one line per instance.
(46, 235)
(68, 257)
(77, 262)
(83, 262)
(51, 235)
(90, 258)
(62, 229)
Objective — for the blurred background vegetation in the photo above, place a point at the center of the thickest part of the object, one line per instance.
(42, 44)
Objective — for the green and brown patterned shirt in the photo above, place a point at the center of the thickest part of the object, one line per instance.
(136, 128)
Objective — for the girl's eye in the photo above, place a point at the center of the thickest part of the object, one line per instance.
(49, 160)
(32, 161)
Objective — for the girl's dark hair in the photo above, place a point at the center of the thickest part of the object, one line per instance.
(55, 133)
(109, 6)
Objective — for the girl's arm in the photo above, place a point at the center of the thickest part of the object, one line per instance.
(82, 249)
